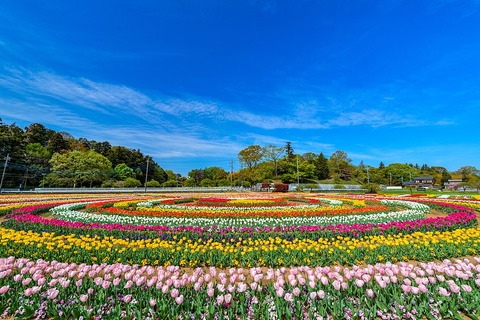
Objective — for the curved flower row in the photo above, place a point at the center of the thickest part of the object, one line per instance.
(266, 212)
(274, 251)
(41, 289)
(70, 214)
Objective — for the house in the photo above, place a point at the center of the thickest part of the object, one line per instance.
(420, 182)
(452, 184)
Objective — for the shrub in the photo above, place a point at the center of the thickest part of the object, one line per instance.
(132, 183)
(153, 184)
(119, 184)
(223, 183)
(280, 187)
(371, 187)
(108, 184)
(207, 183)
(170, 183)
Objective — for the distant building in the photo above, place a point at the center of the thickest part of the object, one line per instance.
(420, 182)
(452, 184)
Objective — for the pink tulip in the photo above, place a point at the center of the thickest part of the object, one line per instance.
(254, 300)
(359, 283)
(406, 288)
(106, 284)
(242, 287)
(17, 277)
(296, 291)
(165, 289)
(454, 288)
(337, 285)
(313, 295)
(28, 292)
(65, 283)
(280, 292)
(52, 293)
(83, 297)
(128, 285)
(179, 299)
(210, 292)
(443, 292)
(98, 281)
(220, 299)
(370, 293)
(466, 288)
(152, 302)
(174, 293)
(127, 298)
(228, 298)
(288, 297)
(422, 288)
(90, 291)
(320, 294)
(477, 282)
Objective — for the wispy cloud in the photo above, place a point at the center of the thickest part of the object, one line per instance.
(112, 99)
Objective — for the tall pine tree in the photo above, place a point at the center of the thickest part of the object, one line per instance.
(321, 167)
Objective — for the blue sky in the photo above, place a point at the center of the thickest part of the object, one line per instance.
(194, 82)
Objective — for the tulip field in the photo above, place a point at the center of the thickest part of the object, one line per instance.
(239, 256)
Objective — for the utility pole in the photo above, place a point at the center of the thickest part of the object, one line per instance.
(4, 168)
(231, 173)
(368, 175)
(26, 173)
(146, 175)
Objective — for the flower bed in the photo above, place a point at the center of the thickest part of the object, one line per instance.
(255, 258)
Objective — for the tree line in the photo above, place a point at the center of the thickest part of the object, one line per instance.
(38, 157)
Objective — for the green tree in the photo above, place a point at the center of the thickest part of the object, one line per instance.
(37, 133)
(132, 183)
(154, 184)
(398, 173)
(170, 183)
(57, 144)
(289, 151)
(78, 167)
(339, 164)
(122, 172)
(473, 182)
(273, 153)
(207, 183)
(321, 167)
(215, 173)
(190, 182)
(196, 175)
(251, 156)
(467, 171)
